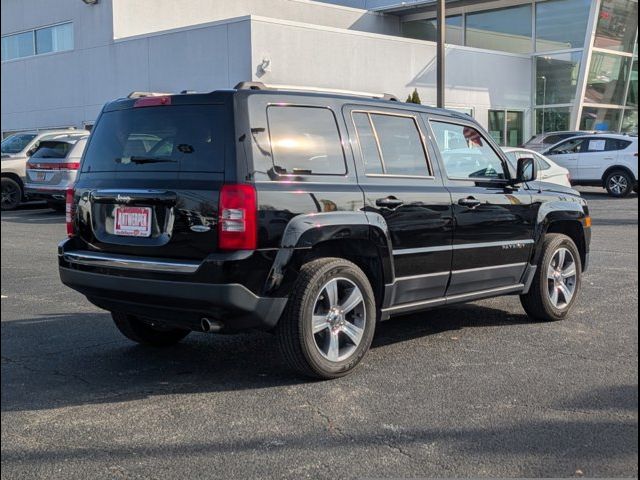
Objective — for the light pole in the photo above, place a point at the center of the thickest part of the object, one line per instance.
(544, 100)
(440, 83)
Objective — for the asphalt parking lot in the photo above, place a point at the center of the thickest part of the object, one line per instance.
(475, 390)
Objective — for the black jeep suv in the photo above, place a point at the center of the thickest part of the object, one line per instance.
(313, 215)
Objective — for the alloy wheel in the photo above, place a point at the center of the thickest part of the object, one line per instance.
(339, 319)
(618, 184)
(10, 195)
(562, 276)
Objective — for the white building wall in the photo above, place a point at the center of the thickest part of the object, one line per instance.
(139, 17)
(69, 88)
(303, 54)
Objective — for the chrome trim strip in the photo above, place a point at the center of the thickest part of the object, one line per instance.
(426, 275)
(493, 267)
(411, 251)
(470, 295)
(454, 298)
(466, 246)
(130, 263)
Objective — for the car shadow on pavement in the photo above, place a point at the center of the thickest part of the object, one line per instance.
(62, 360)
(40, 215)
(554, 446)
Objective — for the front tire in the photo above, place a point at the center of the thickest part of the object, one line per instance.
(145, 333)
(329, 322)
(11, 194)
(619, 184)
(557, 281)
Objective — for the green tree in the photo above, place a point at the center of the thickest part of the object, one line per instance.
(414, 97)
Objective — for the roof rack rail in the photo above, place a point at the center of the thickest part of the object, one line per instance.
(251, 86)
(264, 86)
(147, 94)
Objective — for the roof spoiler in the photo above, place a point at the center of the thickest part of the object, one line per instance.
(264, 86)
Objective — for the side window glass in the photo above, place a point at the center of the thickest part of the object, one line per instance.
(400, 145)
(368, 144)
(614, 144)
(466, 153)
(391, 144)
(570, 146)
(305, 141)
(541, 163)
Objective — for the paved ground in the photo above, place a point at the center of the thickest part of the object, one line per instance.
(476, 390)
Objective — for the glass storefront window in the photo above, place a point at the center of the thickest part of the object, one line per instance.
(515, 129)
(630, 121)
(617, 25)
(428, 30)
(557, 78)
(561, 24)
(507, 29)
(496, 125)
(17, 46)
(506, 127)
(607, 80)
(553, 119)
(603, 119)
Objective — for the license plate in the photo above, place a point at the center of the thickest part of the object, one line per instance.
(41, 176)
(132, 221)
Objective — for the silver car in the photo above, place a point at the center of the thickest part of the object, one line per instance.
(52, 169)
(16, 150)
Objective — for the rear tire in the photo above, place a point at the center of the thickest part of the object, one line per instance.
(557, 277)
(329, 322)
(145, 333)
(11, 194)
(619, 184)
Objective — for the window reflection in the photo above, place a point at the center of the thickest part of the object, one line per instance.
(428, 30)
(553, 119)
(557, 78)
(561, 24)
(607, 79)
(602, 119)
(617, 25)
(507, 29)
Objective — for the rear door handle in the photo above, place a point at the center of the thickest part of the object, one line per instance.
(389, 202)
(469, 202)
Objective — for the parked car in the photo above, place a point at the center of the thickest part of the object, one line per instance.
(548, 171)
(16, 149)
(311, 215)
(602, 160)
(52, 169)
(542, 141)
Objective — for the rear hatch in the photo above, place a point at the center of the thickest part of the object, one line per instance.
(54, 164)
(151, 175)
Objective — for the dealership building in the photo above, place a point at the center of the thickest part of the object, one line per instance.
(518, 66)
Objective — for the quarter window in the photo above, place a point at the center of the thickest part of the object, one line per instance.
(391, 144)
(466, 153)
(305, 141)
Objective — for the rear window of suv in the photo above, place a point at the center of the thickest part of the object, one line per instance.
(180, 138)
(53, 149)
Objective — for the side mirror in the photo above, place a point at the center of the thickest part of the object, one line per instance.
(527, 170)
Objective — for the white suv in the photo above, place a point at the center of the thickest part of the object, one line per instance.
(16, 150)
(601, 160)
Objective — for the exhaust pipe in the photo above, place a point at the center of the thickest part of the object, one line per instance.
(210, 326)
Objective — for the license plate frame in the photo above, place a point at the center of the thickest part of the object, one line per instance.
(132, 221)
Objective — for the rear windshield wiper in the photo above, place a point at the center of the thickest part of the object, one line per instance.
(141, 159)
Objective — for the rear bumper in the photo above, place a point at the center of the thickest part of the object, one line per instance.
(179, 302)
(42, 193)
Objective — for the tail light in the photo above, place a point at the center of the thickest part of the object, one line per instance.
(53, 166)
(70, 212)
(237, 218)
